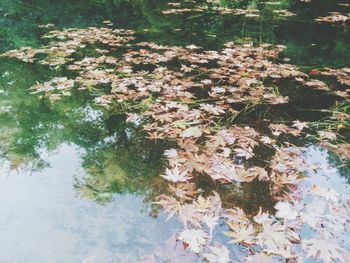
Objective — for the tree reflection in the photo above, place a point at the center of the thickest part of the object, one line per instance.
(116, 157)
(316, 44)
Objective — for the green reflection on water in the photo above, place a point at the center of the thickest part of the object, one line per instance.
(117, 158)
(308, 43)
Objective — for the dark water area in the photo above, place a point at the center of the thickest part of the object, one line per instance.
(309, 43)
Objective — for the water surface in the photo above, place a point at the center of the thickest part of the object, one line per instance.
(76, 181)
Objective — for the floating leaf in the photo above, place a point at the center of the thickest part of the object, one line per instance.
(194, 238)
(218, 254)
(191, 132)
(176, 175)
(322, 249)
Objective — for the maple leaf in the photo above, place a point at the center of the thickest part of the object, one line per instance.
(267, 140)
(314, 83)
(207, 81)
(133, 118)
(278, 129)
(274, 237)
(191, 132)
(171, 153)
(188, 213)
(237, 215)
(278, 100)
(155, 135)
(185, 191)
(193, 161)
(215, 202)
(252, 173)
(203, 204)
(285, 211)
(282, 128)
(300, 125)
(343, 150)
(210, 220)
(223, 138)
(218, 254)
(311, 218)
(193, 47)
(215, 110)
(328, 194)
(169, 204)
(240, 233)
(221, 170)
(335, 17)
(176, 175)
(189, 144)
(262, 217)
(328, 135)
(322, 249)
(194, 238)
(246, 153)
(168, 251)
(186, 69)
(260, 258)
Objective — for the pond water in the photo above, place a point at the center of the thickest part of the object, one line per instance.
(45, 221)
(76, 181)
